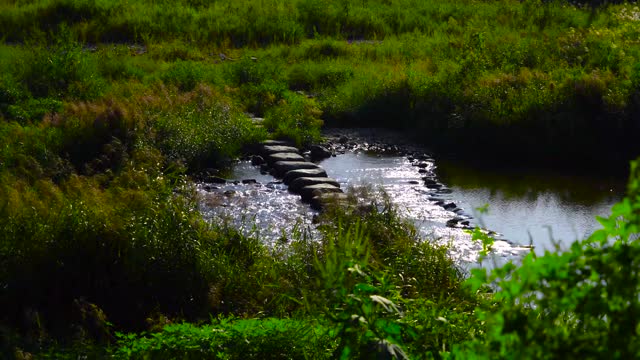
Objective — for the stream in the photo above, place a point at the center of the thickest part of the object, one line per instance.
(524, 207)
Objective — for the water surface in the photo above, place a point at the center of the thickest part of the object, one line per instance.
(524, 207)
(538, 207)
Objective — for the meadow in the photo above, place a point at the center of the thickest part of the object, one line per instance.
(110, 109)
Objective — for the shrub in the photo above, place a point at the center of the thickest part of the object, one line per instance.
(11, 93)
(202, 129)
(296, 118)
(62, 70)
(144, 254)
(33, 109)
(388, 292)
(312, 76)
(184, 75)
(254, 71)
(230, 338)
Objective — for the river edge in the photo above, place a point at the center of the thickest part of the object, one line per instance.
(251, 196)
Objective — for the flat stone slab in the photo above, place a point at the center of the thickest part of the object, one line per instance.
(308, 192)
(294, 174)
(297, 184)
(319, 202)
(273, 149)
(275, 143)
(272, 158)
(282, 167)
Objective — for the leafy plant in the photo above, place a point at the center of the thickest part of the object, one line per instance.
(296, 118)
(367, 320)
(579, 303)
(64, 69)
(230, 338)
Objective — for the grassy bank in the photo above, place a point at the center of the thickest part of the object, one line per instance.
(109, 109)
(530, 81)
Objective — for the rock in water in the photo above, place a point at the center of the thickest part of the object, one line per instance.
(320, 201)
(319, 152)
(449, 206)
(297, 184)
(282, 167)
(257, 160)
(272, 158)
(273, 149)
(308, 192)
(275, 142)
(294, 174)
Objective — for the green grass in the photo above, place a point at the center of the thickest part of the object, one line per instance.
(542, 79)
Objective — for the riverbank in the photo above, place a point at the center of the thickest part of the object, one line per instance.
(543, 83)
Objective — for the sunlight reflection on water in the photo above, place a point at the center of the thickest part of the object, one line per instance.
(268, 210)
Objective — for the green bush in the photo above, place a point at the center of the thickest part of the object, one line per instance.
(202, 130)
(33, 109)
(313, 76)
(386, 291)
(144, 254)
(118, 65)
(230, 338)
(64, 69)
(11, 93)
(32, 153)
(184, 75)
(296, 118)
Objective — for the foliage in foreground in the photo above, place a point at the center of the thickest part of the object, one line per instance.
(354, 308)
(230, 338)
(580, 303)
(577, 303)
(154, 262)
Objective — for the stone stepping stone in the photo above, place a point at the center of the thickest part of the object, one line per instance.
(275, 143)
(449, 206)
(309, 192)
(282, 167)
(453, 222)
(428, 182)
(273, 149)
(272, 158)
(294, 174)
(297, 184)
(319, 202)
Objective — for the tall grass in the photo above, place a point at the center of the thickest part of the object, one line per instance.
(153, 258)
(363, 291)
(540, 78)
